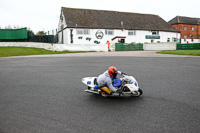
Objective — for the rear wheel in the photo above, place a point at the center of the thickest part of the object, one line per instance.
(103, 93)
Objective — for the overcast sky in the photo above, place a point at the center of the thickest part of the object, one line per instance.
(43, 15)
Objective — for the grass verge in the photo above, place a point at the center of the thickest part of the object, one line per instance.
(181, 52)
(23, 51)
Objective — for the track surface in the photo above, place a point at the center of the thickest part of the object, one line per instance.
(46, 95)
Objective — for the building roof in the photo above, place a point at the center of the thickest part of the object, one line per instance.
(184, 20)
(101, 19)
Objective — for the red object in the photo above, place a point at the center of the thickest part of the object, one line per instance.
(112, 71)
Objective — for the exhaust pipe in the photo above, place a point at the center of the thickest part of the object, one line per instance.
(90, 91)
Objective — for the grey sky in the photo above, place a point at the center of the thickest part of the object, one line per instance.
(39, 15)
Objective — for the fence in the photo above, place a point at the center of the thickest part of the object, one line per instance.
(160, 46)
(22, 35)
(13, 34)
(41, 38)
(57, 47)
(157, 46)
(128, 47)
(188, 46)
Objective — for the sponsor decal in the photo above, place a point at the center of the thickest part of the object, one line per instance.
(99, 34)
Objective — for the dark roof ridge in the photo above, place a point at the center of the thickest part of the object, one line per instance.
(184, 20)
(109, 11)
(187, 17)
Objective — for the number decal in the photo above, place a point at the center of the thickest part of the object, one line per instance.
(89, 82)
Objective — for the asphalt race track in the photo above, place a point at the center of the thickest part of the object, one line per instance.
(45, 94)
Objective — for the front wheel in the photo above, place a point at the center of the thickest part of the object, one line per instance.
(138, 93)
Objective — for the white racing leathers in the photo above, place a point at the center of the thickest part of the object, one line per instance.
(106, 80)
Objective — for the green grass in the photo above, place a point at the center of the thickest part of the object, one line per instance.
(181, 52)
(23, 51)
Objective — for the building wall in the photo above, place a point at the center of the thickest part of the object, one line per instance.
(70, 34)
(188, 32)
(61, 32)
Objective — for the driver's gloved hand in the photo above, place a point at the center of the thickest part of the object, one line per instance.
(119, 91)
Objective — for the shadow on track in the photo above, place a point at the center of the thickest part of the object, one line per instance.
(111, 101)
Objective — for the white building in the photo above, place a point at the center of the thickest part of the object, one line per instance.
(84, 26)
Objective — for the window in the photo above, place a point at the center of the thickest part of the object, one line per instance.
(185, 37)
(155, 32)
(192, 39)
(185, 28)
(109, 32)
(122, 40)
(192, 28)
(131, 32)
(175, 39)
(86, 31)
(82, 31)
(79, 32)
(168, 39)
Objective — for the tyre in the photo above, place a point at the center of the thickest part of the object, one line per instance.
(139, 93)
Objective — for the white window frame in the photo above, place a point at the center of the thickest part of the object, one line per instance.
(131, 32)
(109, 32)
(192, 28)
(83, 31)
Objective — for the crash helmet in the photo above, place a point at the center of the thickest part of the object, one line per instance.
(112, 71)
